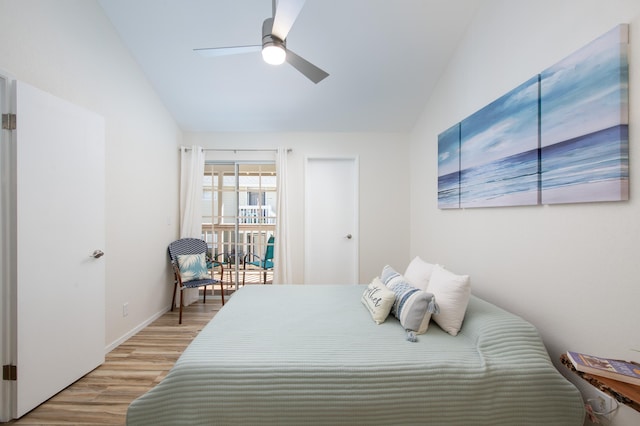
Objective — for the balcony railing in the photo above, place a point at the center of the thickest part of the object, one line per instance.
(255, 225)
(256, 214)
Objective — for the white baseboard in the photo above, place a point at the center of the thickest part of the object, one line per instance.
(124, 338)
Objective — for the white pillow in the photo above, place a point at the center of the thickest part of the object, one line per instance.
(378, 299)
(452, 293)
(418, 273)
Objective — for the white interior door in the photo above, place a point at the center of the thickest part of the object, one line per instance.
(331, 221)
(60, 203)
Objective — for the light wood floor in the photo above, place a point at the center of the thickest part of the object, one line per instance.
(102, 396)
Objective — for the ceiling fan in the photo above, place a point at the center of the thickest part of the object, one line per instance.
(274, 41)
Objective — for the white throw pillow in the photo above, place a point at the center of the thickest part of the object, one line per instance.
(378, 299)
(452, 293)
(418, 273)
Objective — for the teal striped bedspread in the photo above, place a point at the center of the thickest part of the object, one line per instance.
(312, 355)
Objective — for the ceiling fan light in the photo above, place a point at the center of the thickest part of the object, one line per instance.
(273, 54)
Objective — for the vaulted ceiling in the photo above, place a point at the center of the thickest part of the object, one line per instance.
(383, 56)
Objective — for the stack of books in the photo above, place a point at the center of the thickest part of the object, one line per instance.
(623, 371)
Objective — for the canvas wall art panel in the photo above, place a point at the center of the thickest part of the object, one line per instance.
(449, 168)
(560, 137)
(585, 124)
(499, 163)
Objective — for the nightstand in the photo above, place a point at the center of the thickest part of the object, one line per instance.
(624, 393)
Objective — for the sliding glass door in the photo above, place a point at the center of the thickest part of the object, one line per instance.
(239, 219)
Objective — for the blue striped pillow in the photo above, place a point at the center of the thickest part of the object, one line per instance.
(412, 306)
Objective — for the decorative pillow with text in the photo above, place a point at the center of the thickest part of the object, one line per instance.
(378, 299)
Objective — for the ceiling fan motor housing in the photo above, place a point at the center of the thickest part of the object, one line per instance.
(268, 39)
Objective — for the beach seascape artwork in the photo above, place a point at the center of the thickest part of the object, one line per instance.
(499, 151)
(585, 123)
(449, 168)
(561, 137)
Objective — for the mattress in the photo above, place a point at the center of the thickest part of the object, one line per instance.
(312, 355)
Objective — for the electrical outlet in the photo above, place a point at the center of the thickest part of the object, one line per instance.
(125, 309)
(600, 405)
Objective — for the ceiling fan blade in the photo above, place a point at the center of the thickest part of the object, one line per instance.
(309, 70)
(210, 52)
(285, 15)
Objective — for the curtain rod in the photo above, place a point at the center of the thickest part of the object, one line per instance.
(234, 150)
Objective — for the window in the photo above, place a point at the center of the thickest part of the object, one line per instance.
(256, 198)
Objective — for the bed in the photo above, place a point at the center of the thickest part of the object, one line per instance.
(311, 355)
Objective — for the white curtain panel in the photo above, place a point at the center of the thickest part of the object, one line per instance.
(191, 176)
(282, 257)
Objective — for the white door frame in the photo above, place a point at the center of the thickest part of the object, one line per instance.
(7, 223)
(4, 295)
(355, 233)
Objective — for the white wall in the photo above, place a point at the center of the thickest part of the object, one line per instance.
(572, 270)
(384, 211)
(70, 49)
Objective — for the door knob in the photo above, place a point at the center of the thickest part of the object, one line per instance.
(97, 254)
(348, 236)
